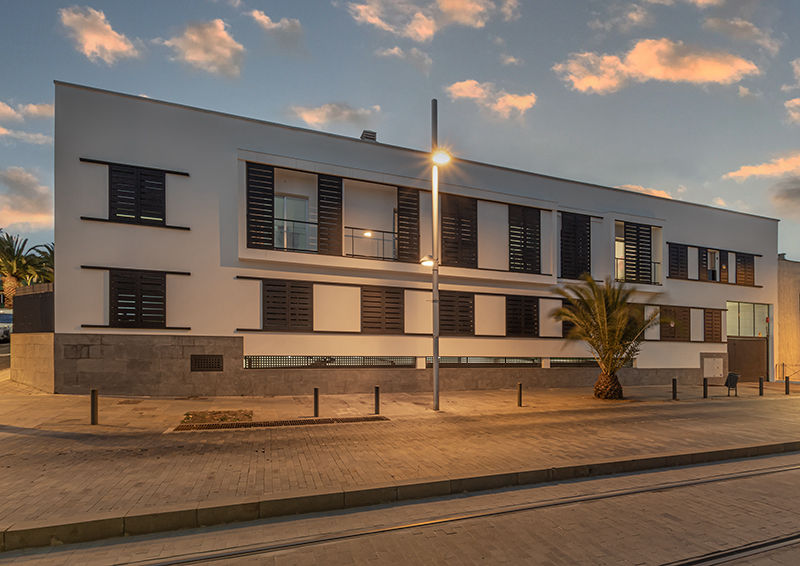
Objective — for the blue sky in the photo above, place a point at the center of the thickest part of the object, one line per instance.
(688, 99)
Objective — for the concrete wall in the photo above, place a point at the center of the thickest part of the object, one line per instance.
(788, 323)
(32, 360)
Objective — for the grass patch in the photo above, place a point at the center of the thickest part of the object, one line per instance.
(240, 415)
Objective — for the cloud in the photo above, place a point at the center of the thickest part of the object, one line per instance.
(418, 58)
(8, 114)
(745, 92)
(318, 117)
(25, 204)
(793, 109)
(470, 13)
(773, 168)
(652, 59)
(488, 96)
(698, 3)
(647, 190)
(27, 137)
(37, 110)
(719, 201)
(742, 30)
(623, 18)
(796, 71)
(288, 31)
(510, 10)
(94, 36)
(785, 195)
(208, 46)
(508, 60)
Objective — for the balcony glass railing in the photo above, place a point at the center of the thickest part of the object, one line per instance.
(295, 235)
(655, 272)
(366, 242)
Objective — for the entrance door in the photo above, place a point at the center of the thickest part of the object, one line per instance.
(748, 358)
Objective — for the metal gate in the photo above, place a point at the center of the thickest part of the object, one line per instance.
(748, 358)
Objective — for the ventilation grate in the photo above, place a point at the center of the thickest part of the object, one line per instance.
(286, 422)
(206, 362)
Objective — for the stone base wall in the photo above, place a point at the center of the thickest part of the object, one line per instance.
(32, 360)
(160, 366)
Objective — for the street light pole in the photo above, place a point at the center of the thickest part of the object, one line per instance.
(435, 277)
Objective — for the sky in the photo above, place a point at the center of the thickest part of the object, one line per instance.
(696, 100)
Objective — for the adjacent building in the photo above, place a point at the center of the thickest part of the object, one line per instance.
(204, 253)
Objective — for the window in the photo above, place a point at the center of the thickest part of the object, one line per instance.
(712, 325)
(709, 268)
(576, 250)
(287, 305)
(293, 231)
(745, 269)
(138, 299)
(459, 231)
(329, 203)
(522, 315)
(676, 323)
(260, 206)
(634, 252)
(456, 313)
(382, 310)
(408, 225)
(136, 195)
(678, 261)
(524, 239)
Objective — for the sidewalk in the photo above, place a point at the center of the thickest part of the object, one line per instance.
(55, 467)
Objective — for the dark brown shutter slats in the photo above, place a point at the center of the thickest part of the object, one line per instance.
(676, 323)
(702, 264)
(408, 225)
(524, 239)
(459, 231)
(745, 269)
(712, 325)
(329, 214)
(522, 315)
(260, 206)
(136, 195)
(638, 252)
(287, 305)
(382, 310)
(723, 266)
(456, 313)
(576, 245)
(138, 299)
(152, 196)
(678, 261)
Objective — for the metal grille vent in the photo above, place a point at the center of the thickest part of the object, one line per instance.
(274, 362)
(206, 362)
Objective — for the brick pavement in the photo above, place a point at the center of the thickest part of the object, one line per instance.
(54, 466)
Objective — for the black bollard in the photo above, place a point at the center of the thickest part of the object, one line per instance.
(786, 379)
(519, 394)
(674, 389)
(760, 386)
(93, 398)
(377, 400)
(316, 401)
(705, 388)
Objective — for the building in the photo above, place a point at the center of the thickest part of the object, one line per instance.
(787, 355)
(203, 253)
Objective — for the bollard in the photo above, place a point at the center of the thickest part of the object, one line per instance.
(705, 388)
(674, 389)
(786, 379)
(93, 398)
(316, 401)
(760, 386)
(377, 400)
(519, 394)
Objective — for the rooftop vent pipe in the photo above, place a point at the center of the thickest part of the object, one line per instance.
(369, 135)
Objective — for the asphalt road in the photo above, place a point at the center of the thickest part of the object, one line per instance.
(734, 510)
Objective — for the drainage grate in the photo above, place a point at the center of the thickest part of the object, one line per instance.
(287, 422)
(206, 362)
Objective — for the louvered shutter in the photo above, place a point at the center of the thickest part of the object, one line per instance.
(137, 299)
(638, 253)
(329, 214)
(702, 264)
(723, 266)
(678, 261)
(676, 323)
(522, 315)
(408, 225)
(459, 231)
(260, 206)
(524, 239)
(123, 202)
(287, 305)
(576, 245)
(712, 325)
(382, 310)
(152, 196)
(745, 269)
(456, 313)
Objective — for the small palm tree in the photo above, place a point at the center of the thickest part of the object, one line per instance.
(43, 260)
(613, 327)
(15, 265)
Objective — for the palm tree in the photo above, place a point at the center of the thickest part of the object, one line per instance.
(613, 327)
(44, 261)
(15, 265)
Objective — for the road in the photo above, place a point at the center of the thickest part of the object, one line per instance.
(662, 517)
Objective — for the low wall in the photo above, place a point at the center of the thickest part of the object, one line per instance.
(32, 360)
(160, 366)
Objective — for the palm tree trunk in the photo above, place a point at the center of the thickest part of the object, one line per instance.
(608, 387)
(10, 285)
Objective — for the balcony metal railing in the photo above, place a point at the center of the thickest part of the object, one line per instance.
(367, 242)
(295, 235)
(655, 272)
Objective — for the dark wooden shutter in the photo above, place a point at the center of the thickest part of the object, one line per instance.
(723, 266)
(638, 252)
(287, 305)
(138, 299)
(456, 313)
(329, 214)
(408, 225)
(576, 245)
(522, 315)
(678, 261)
(524, 239)
(745, 269)
(152, 196)
(702, 264)
(712, 325)
(459, 231)
(566, 326)
(676, 323)
(123, 193)
(382, 310)
(260, 206)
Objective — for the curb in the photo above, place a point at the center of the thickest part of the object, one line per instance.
(43, 533)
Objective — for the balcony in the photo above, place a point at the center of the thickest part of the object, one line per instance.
(295, 235)
(370, 243)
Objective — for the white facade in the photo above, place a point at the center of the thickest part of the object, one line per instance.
(214, 300)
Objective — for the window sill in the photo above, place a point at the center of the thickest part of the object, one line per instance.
(168, 226)
(136, 327)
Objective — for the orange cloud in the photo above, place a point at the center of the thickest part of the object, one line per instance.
(773, 168)
(25, 204)
(94, 36)
(208, 46)
(488, 96)
(793, 109)
(27, 137)
(319, 116)
(646, 190)
(653, 59)
(471, 13)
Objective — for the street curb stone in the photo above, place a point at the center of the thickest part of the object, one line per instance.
(41, 533)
